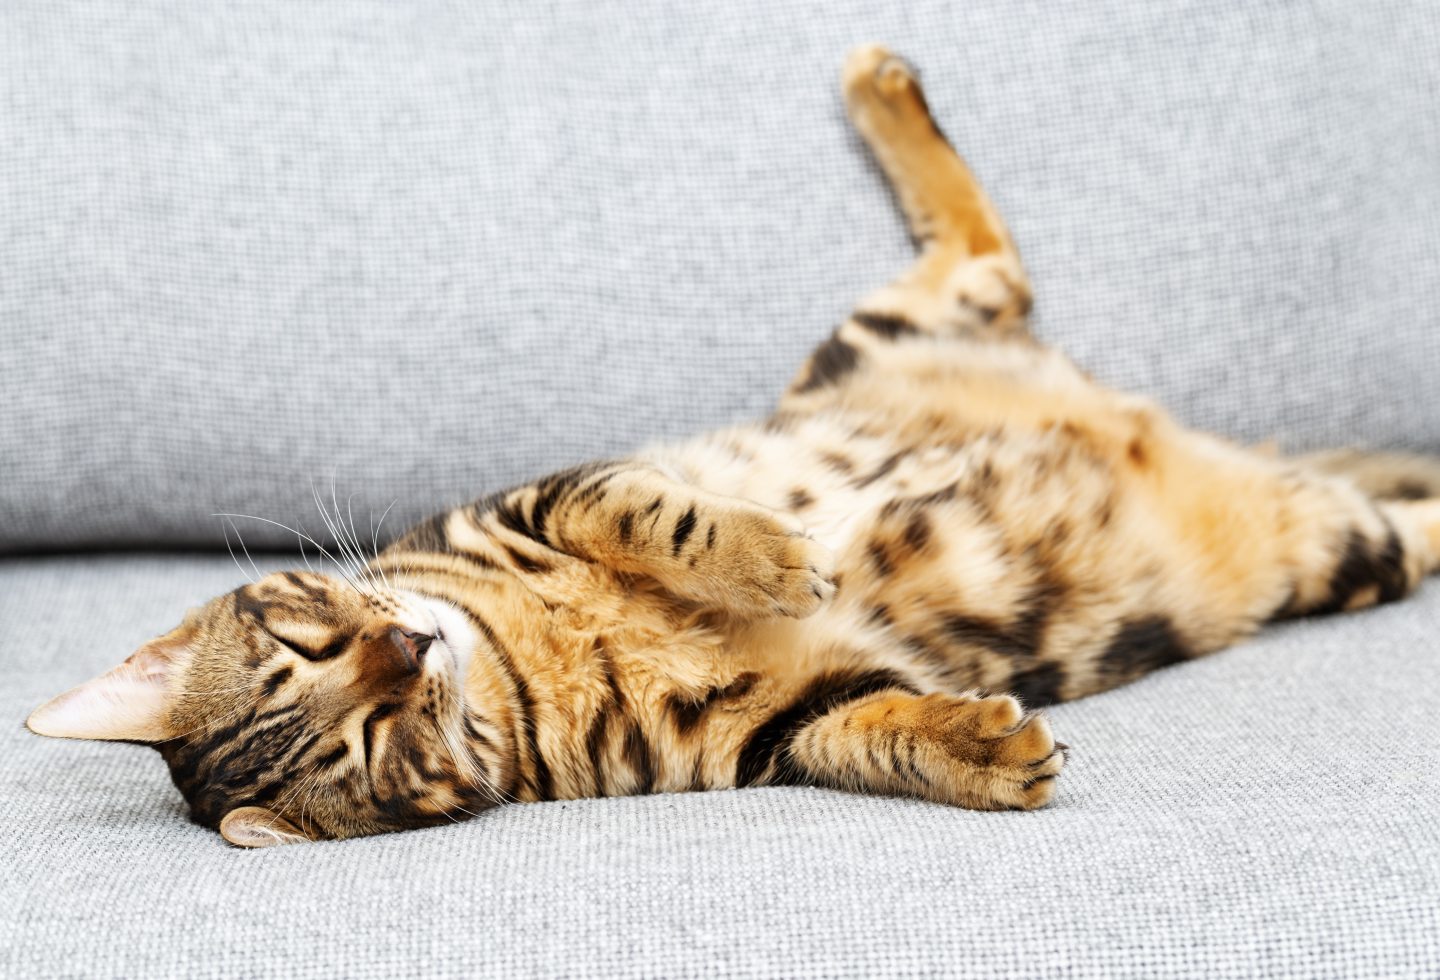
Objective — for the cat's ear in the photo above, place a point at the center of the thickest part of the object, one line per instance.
(255, 826)
(126, 704)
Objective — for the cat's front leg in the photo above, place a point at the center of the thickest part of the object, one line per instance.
(723, 552)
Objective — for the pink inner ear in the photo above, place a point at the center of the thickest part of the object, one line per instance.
(127, 703)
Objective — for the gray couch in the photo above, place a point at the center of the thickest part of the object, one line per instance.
(428, 250)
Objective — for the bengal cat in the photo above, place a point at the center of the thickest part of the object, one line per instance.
(940, 507)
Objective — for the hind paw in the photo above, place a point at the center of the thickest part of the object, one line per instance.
(1008, 759)
(873, 76)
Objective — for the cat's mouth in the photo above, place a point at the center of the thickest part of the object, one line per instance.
(452, 637)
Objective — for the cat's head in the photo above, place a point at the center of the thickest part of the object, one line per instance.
(301, 707)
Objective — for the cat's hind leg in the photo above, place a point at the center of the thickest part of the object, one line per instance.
(968, 280)
(950, 217)
(1425, 515)
(983, 753)
(1385, 539)
(1383, 475)
(1382, 553)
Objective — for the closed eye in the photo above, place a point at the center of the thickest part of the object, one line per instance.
(325, 653)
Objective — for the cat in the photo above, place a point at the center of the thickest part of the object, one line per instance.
(940, 507)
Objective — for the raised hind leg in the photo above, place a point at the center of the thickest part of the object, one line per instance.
(967, 279)
(968, 274)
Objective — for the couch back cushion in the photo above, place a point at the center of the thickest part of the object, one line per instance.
(424, 251)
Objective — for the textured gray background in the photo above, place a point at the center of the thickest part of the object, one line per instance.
(1270, 811)
(433, 249)
(436, 249)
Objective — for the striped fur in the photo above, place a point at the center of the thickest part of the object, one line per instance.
(944, 525)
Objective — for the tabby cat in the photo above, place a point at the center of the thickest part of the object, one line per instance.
(940, 507)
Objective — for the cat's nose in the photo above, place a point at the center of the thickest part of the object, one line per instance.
(412, 645)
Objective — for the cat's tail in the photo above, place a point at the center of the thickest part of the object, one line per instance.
(1383, 475)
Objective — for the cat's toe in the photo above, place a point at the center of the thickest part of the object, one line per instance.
(806, 579)
(1027, 762)
(1015, 755)
(874, 73)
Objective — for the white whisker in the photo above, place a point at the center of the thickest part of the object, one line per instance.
(350, 566)
(347, 536)
(241, 539)
(225, 529)
(375, 544)
(302, 535)
(355, 540)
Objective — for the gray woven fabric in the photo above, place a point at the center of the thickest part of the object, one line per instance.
(435, 248)
(1267, 811)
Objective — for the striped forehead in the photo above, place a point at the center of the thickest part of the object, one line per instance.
(288, 595)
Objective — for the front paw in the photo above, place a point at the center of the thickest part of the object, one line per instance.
(781, 570)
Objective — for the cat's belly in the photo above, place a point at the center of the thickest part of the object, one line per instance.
(1011, 560)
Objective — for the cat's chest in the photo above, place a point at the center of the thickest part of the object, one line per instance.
(823, 470)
